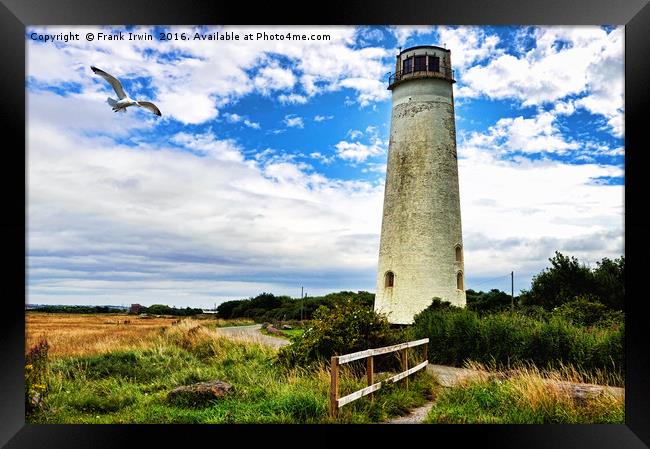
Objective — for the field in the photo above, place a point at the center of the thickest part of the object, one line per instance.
(121, 368)
(79, 334)
(105, 371)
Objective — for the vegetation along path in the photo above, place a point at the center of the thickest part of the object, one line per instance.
(252, 333)
(449, 376)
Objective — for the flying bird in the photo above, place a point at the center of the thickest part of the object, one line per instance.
(124, 100)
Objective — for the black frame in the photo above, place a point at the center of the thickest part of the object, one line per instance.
(635, 14)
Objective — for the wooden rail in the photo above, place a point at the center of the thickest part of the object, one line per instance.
(336, 402)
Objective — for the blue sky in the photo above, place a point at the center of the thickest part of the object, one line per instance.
(266, 170)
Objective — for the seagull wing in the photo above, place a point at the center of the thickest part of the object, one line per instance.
(152, 107)
(117, 86)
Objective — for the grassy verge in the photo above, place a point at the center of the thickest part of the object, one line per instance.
(130, 385)
(526, 397)
(285, 333)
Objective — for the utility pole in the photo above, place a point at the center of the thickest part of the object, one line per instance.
(512, 290)
(302, 301)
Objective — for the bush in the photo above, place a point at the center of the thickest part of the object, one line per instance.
(267, 307)
(459, 335)
(567, 279)
(343, 328)
(487, 302)
(583, 311)
(36, 376)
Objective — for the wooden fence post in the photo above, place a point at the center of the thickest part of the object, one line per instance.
(405, 364)
(334, 387)
(370, 366)
(426, 351)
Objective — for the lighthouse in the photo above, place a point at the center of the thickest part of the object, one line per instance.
(421, 245)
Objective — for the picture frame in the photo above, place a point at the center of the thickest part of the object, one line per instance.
(16, 15)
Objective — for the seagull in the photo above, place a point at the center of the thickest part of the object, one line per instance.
(124, 100)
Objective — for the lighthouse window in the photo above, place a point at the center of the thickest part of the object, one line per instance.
(420, 63)
(408, 65)
(459, 253)
(434, 64)
(390, 279)
(459, 280)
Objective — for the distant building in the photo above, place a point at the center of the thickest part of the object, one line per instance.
(135, 309)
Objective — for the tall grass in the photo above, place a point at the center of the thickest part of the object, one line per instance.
(527, 396)
(457, 336)
(130, 385)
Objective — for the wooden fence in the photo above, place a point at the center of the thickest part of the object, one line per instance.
(336, 402)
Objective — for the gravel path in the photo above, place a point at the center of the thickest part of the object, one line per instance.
(415, 417)
(252, 333)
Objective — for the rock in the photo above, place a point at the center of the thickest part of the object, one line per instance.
(286, 326)
(199, 394)
(272, 330)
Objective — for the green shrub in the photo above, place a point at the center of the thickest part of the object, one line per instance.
(345, 327)
(586, 311)
(459, 335)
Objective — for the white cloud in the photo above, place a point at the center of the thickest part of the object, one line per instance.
(179, 227)
(355, 133)
(468, 44)
(321, 118)
(233, 118)
(236, 118)
(292, 99)
(529, 135)
(374, 168)
(326, 160)
(589, 63)
(206, 144)
(515, 214)
(189, 79)
(293, 121)
(356, 151)
(404, 32)
(274, 78)
(253, 125)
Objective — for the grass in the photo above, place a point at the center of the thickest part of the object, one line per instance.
(293, 332)
(81, 334)
(129, 383)
(285, 333)
(526, 396)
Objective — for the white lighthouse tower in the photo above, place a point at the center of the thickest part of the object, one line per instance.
(421, 247)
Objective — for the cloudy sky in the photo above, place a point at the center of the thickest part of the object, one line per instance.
(266, 170)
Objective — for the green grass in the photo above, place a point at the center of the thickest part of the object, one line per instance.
(131, 386)
(229, 322)
(293, 332)
(524, 399)
(286, 333)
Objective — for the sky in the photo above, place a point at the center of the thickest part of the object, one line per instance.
(266, 170)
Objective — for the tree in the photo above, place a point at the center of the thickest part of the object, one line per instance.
(609, 279)
(486, 302)
(567, 280)
(562, 282)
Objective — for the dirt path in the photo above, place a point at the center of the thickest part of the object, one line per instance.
(415, 417)
(252, 333)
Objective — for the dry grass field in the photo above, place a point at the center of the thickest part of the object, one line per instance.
(71, 334)
(79, 334)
